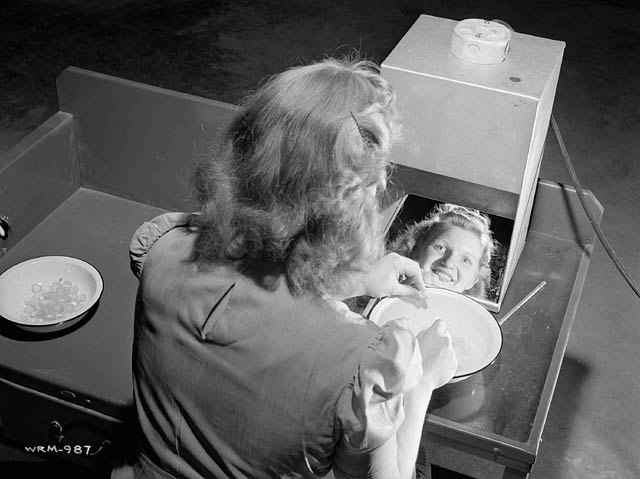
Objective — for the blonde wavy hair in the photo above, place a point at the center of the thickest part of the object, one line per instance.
(292, 179)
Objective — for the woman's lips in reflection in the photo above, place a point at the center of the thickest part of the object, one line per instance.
(441, 275)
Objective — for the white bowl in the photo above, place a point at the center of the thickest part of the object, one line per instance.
(17, 281)
(476, 335)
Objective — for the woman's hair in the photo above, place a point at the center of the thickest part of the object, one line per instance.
(413, 241)
(289, 180)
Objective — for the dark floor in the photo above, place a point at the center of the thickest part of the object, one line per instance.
(220, 48)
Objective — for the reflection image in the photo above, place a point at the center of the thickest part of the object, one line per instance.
(461, 401)
(454, 245)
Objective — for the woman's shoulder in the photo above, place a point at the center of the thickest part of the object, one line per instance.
(147, 235)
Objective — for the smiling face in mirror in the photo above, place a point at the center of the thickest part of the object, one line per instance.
(451, 259)
(453, 245)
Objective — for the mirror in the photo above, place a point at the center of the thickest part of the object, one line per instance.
(445, 239)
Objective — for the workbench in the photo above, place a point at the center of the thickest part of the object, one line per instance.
(116, 154)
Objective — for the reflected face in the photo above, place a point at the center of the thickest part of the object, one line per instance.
(452, 259)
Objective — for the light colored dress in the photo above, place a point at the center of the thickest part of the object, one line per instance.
(236, 378)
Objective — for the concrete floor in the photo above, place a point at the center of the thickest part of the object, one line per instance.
(220, 48)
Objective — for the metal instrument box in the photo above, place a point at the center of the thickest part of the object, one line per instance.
(474, 134)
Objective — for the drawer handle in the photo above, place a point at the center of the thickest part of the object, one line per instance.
(56, 432)
(4, 227)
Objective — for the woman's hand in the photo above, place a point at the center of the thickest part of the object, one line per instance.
(439, 362)
(387, 275)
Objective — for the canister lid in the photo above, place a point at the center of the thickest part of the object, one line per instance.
(480, 41)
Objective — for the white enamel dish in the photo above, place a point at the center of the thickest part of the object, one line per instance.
(16, 287)
(476, 335)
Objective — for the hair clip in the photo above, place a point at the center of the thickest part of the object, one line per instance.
(360, 130)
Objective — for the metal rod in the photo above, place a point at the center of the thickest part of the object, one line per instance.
(521, 303)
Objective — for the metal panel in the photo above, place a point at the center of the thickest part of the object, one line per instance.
(479, 123)
(88, 364)
(558, 212)
(404, 180)
(138, 141)
(37, 175)
(476, 135)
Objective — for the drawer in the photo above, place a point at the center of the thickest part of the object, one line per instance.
(48, 426)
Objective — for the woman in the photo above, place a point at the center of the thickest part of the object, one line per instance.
(453, 246)
(246, 364)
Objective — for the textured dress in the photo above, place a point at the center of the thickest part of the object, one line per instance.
(236, 378)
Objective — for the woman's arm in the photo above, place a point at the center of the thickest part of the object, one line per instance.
(396, 457)
(409, 435)
(439, 365)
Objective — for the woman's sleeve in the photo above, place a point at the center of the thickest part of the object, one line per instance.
(370, 410)
(148, 233)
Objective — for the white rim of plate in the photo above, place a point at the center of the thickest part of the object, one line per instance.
(463, 297)
(70, 259)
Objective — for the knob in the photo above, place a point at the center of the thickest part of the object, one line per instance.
(56, 432)
(4, 227)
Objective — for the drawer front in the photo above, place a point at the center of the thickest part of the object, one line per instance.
(49, 427)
